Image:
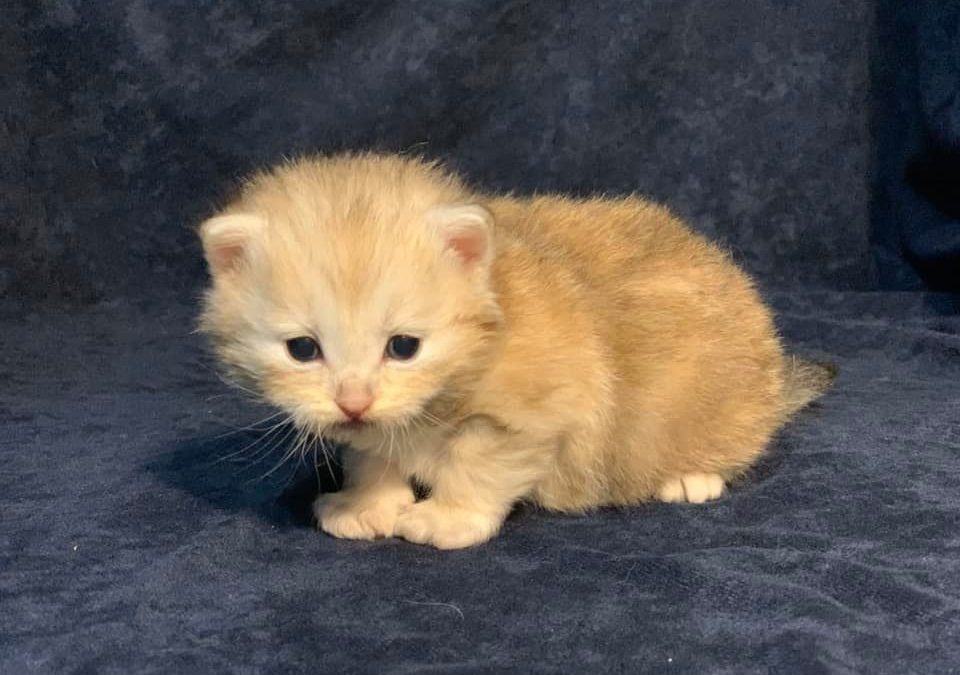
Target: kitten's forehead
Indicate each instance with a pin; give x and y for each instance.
(349, 237)
(362, 278)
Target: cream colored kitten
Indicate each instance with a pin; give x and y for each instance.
(572, 353)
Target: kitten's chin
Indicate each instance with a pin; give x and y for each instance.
(353, 425)
(347, 431)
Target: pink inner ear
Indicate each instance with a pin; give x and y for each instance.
(225, 255)
(470, 245)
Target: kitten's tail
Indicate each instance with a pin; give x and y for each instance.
(806, 381)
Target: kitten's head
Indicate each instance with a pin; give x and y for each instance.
(352, 289)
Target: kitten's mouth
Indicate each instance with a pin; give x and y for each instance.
(353, 425)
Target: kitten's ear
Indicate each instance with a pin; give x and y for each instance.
(467, 231)
(226, 239)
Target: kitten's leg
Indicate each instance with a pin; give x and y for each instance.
(695, 488)
(366, 508)
(474, 484)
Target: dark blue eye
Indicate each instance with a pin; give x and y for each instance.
(402, 347)
(304, 349)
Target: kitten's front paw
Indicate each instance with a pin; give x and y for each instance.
(351, 514)
(695, 488)
(444, 527)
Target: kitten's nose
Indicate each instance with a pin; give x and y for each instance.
(354, 399)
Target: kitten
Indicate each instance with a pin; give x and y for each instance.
(571, 353)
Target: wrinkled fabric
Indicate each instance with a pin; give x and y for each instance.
(139, 534)
(127, 122)
(147, 523)
(916, 125)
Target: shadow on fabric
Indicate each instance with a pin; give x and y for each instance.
(242, 472)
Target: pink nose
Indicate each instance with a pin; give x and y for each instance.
(354, 400)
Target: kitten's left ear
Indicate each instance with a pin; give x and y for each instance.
(467, 231)
(227, 238)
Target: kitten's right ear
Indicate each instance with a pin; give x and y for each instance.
(226, 240)
(466, 230)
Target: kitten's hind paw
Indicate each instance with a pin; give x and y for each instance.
(695, 488)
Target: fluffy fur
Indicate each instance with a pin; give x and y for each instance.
(575, 353)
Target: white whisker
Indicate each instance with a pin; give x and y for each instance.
(328, 459)
(253, 426)
(283, 460)
(249, 448)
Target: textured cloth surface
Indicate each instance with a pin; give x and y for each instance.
(133, 542)
(817, 140)
(916, 204)
(126, 122)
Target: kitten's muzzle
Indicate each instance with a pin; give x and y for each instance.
(354, 400)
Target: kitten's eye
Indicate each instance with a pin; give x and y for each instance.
(303, 349)
(402, 347)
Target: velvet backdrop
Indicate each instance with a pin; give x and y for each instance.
(817, 140)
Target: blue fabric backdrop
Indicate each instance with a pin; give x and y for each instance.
(817, 140)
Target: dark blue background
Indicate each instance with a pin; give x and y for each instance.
(817, 140)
